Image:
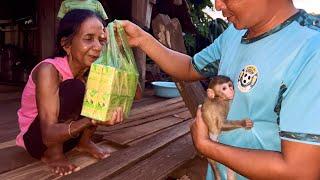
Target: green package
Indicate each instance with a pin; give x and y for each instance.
(112, 79)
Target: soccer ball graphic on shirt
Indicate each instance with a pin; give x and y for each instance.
(248, 78)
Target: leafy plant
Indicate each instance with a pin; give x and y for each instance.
(207, 28)
(201, 22)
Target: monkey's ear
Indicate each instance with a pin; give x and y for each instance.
(210, 93)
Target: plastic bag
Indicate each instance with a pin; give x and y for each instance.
(112, 79)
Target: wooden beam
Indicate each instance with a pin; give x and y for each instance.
(168, 32)
(140, 58)
(141, 12)
(141, 15)
(47, 27)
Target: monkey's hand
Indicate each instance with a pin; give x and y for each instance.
(247, 123)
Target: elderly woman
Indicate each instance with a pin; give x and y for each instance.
(49, 117)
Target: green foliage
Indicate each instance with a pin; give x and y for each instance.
(207, 29)
(200, 20)
(190, 43)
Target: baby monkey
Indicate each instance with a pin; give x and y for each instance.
(214, 112)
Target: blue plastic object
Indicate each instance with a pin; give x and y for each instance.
(165, 89)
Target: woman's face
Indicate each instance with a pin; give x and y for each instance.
(87, 44)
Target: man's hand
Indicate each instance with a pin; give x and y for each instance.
(117, 117)
(199, 132)
(135, 34)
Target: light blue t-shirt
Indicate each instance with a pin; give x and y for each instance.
(277, 83)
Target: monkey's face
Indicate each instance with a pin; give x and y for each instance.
(224, 90)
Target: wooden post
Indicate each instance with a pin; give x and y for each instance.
(141, 15)
(46, 27)
(168, 32)
(141, 12)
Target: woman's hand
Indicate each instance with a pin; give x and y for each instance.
(117, 117)
(199, 132)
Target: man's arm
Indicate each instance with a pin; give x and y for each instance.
(296, 161)
(173, 63)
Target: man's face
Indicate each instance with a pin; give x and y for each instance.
(245, 14)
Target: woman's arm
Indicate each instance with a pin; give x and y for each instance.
(47, 81)
(296, 161)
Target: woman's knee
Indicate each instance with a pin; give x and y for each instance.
(71, 94)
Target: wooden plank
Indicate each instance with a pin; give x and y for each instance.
(153, 114)
(122, 159)
(144, 117)
(132, 143)
(14, 157)
(10, 96)
(7, 144)
(12, 100)
(195, 169)
(124, 136)
(156, 111)
(141, 121)
(8, 112)
(9, 120)
(153, 133)
(146, 101)
(9, 125)
(10, 134)
(155, 106)
(9, 89)
(161, 163)
(38, 170)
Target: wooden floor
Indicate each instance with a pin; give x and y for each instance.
(151, 144)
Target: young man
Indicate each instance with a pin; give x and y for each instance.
(271, 52)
